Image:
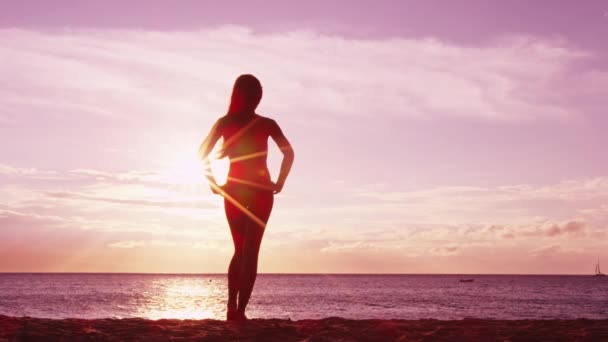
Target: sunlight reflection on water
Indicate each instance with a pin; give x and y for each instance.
(184, 298)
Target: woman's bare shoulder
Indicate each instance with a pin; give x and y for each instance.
(221, 121)
(271, 126)
(266, 119)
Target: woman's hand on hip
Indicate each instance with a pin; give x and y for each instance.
(276, 188)
(217, 189)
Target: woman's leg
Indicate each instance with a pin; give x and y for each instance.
(236, 221)
(261, 207)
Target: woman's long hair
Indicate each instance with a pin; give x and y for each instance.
(246, 96)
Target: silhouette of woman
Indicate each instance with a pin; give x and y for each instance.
(249, 192)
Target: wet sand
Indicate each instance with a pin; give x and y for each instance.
(328, 329)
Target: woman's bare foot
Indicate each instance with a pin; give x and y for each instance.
(231, 314)
(240, 316)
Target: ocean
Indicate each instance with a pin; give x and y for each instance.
(299, 296)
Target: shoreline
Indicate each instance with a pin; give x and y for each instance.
(327, 329)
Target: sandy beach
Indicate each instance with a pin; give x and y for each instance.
(328, 329)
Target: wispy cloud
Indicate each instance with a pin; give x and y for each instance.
(33, 173)
(506, 203)
(132, 202)
(109, 72)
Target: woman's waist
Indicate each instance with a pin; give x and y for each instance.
(256, 175)
(252, 171)
(260, 183)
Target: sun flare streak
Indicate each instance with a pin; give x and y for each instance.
(239, 205)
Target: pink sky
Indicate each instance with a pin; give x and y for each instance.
(429, 139)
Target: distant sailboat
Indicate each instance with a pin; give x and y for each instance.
(470, 280)
(598, 273)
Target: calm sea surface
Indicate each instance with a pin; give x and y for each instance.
(305, 296)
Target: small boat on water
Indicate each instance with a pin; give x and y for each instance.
(598, 272)
(467, 280)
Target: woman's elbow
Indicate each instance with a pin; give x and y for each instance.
(288, 152)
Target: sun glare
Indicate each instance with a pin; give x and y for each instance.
(188, 169)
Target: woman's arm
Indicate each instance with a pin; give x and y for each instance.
(204, 150)
(288, 155)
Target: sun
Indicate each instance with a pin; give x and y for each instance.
(187, 168)
(220, 168)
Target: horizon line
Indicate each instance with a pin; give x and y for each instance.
(308, 273)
